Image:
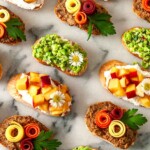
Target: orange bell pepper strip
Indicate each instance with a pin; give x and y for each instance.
(146, 5)
(32, 130)
(2, 31)
(80, 18)
(102, 119)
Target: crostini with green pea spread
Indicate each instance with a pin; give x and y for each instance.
(63, 54)
(83, 148)
(137, 42)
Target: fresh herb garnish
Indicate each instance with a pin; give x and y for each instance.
(44, 141)
(13, 29)
(102, 23)
(133, 120)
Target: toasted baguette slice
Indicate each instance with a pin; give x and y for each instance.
(30, 6)
(142, 101)
(11, 87)
(138, 52)
(141, 12)
(68, 72)
(123, 142)
(6, 39)
(23, 120)
(63, 15)
(83, 148)
(1, 71)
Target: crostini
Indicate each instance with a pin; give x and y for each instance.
(1, 71)
(26, 133)
(136, 41)
(83, 148)
(87, 15)
(41, 92)
(28, 4)
(64, 55)
(114, 124)
(12, 27)
(142, 9)
(128, 82)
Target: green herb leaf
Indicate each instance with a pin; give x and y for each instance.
(133, 120)
(44, 141)
(13, 29)
(102, 23)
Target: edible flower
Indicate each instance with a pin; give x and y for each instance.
(146, 86)
(57, 99)
(12, 129)
(76, 59)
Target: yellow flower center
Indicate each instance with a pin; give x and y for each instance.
(56, 98)
(75, 58)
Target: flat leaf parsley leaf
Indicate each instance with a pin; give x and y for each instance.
(13, 29)
(102, 23)
(45, 141)
(133, 120)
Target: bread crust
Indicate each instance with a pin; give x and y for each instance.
(23, 120)
(124, 44)
(64, 16)
(106, 66)
(141, 12)
(123, 142)
(11, 87)
(6, 39)
(36, 8)
(1, 71)
(66, 72)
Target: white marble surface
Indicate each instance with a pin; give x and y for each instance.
(71, 130)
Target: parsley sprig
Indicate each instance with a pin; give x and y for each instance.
(13, 29)
(133, 120)
(44, 141)
(102, 23)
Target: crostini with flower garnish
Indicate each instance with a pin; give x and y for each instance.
(87, 15)
(41, 92)
(114, 124)
(127, 82)
(142, 9)
(12, 27)
(26, 133)
(65, 55)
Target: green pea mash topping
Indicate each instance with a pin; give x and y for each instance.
(62, 53)
(82, 148)
(137, 41)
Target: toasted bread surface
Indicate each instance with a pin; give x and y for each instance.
(63, 15)
(140, 11)
(123, 142)
(6, 39)
(67, 71)
(1, 71)
(23, 120)
(11, 87)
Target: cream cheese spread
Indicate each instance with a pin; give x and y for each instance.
(146, 74)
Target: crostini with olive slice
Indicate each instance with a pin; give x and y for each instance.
(142, 9)
(12, 27)
(64, 55)
(87, 15)
(136, 41)
(41, 92)
(128, 82)
(28, 4)
(25, 132)
(114, 124)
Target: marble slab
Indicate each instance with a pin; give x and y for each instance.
(71, 130)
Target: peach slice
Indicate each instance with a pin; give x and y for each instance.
(133, 73)
(47, 94)
(114, 72)
(22, 84)
(131, 91)
(45, 80)
(34, 90)
(140, 77)
(123, 72)
(114, 85)
(44, 106)
(120, 92)
(46, 89)
(34, 77)
(38, 100)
